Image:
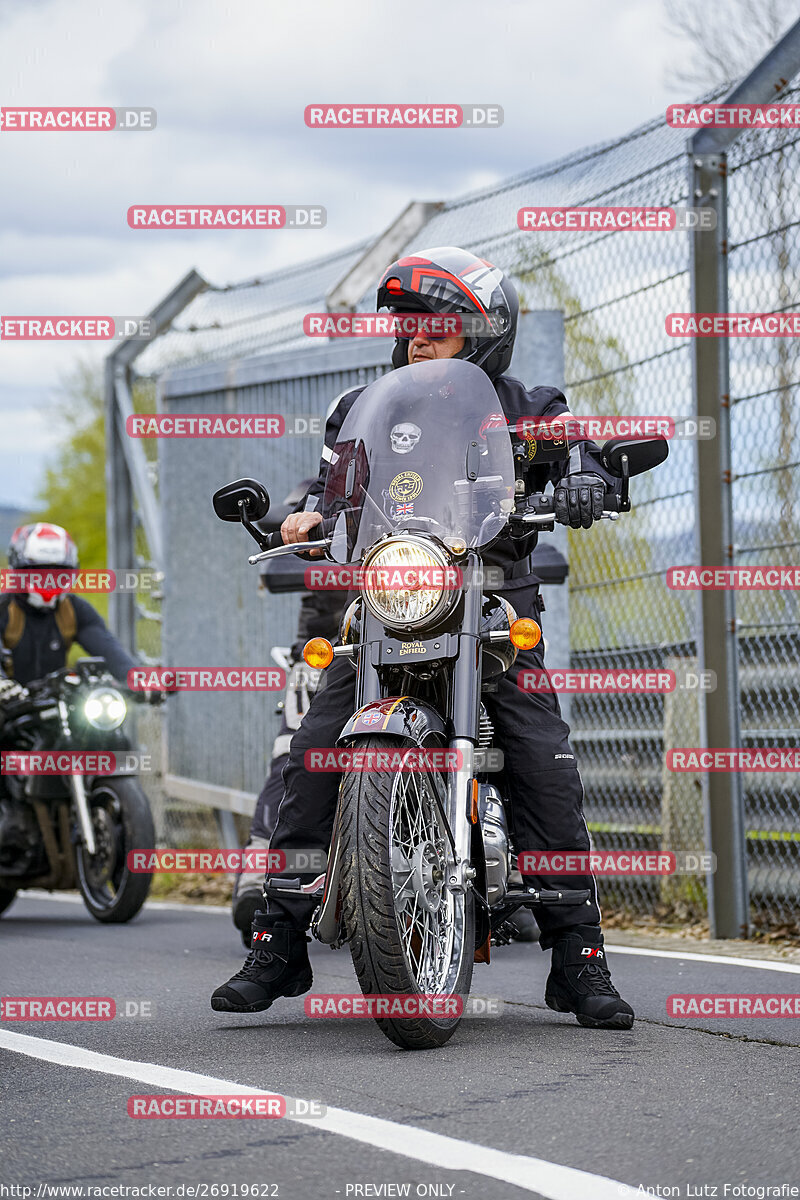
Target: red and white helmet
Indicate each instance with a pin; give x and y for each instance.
(42, 545)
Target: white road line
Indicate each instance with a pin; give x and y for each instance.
(161, 905)
(533, 1174)
(758, 964)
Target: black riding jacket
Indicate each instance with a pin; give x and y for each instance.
(41, 648)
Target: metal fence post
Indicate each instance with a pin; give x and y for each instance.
(728, 902)
(539, 359)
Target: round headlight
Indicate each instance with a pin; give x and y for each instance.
(105, 708)
(409, 582)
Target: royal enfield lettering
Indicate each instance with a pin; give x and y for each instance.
(195, 216)
(206, 1107)
(67, 329)
(197, 425)
(733, 325)
(57, 1008)
(556, 680)
(346, 759)
(210, 679)
(741, 759)
(733, 578)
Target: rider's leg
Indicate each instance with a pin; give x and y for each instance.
(278, 963)
(546, 795)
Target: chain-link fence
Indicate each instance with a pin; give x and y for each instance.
(616, 289)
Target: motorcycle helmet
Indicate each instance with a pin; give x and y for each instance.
(450, 280)
(42, 546)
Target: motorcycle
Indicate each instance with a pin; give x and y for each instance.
(62, 831)
(418, 868)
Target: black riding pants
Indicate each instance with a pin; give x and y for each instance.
(540, 778)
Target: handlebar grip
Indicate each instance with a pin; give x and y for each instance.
(273, 540)
(611, 502)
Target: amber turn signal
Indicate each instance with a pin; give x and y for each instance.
(318, 653)
(524, 633)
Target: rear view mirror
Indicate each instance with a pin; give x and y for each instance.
(641, 455)
(249, 493)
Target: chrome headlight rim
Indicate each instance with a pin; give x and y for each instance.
(448, 597)
(112, 710)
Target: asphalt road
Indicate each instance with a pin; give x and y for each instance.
(518, 1105)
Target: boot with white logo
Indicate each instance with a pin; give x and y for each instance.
(580, 981)
(277, 965)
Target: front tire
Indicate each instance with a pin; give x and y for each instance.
(408, 934)
(7, 898)
(122, 821)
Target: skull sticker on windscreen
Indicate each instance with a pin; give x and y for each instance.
(405, 437)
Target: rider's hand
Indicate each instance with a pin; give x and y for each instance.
(578, 500)
(297, 527)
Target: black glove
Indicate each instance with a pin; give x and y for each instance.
(578, 500)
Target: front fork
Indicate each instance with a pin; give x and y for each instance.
(78, 789)
(464, 715)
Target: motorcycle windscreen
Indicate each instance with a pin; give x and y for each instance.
(424, 449)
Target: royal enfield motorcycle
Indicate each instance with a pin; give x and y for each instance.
(419, 862)
(61, 831)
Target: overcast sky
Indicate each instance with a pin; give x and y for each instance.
(230, 80)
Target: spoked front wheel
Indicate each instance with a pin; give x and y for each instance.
(409, 935)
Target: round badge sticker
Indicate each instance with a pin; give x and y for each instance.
(405, 486)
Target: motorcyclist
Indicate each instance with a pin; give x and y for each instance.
(542, 779)
(38, 625)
